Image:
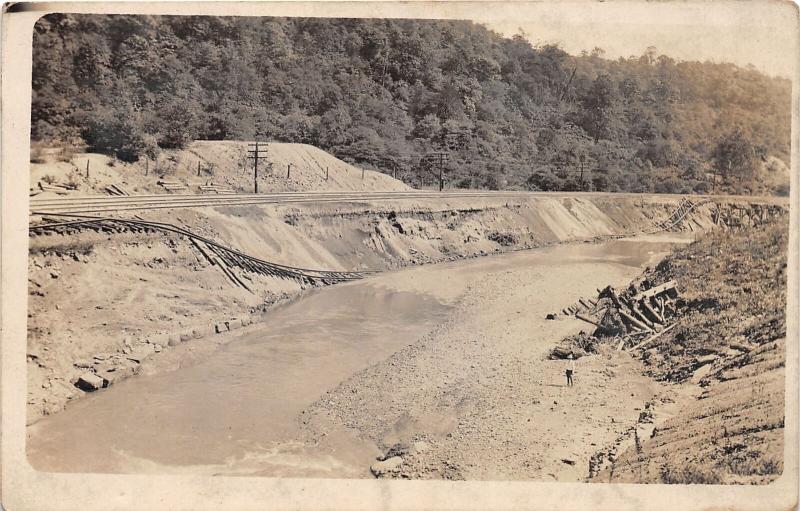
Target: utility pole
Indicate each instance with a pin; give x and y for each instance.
(256, 152)
(439, 159)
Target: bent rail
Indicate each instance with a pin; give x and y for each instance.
(684, 209)
(216, 253)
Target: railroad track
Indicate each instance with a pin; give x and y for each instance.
(163, 201)
(102, 204)
(684, 209)
(217, 254)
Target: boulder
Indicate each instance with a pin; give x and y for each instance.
(220, 327)
(185, 337)
(389, 466)
(174, 340)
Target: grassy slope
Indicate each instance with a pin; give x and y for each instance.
(731, 341)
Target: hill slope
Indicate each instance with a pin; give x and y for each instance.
(221, 163)
(386, 93)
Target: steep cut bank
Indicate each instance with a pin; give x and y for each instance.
(103, 302)
(723, 421)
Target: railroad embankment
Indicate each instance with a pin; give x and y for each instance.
(104, 303)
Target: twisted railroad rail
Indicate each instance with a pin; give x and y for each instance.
(684, 209)
(216, 253)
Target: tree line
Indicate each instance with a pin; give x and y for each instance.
(386, 93)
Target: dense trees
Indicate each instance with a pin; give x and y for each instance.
(384, 93)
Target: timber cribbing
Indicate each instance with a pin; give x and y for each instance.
(216, 253)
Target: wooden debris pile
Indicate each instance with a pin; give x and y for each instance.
(629, 319)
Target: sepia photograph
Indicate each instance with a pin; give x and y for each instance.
(507, 243)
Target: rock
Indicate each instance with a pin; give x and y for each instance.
(568, 461)
(233, 324)
(83, 364)
(185, 337)
(109, 377)
(551, 316)
(89, 382)
(141, 352)
(220, 327)
(389, 466)
(196, 334)
(420, 447)
(174, 340)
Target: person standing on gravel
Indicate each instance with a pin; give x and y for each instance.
(570, 369)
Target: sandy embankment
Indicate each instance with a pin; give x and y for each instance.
(480, 393)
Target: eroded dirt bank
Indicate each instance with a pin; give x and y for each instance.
(727, 356)
(104, 302)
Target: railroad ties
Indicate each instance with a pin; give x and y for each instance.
(216, 254)
(684, 209)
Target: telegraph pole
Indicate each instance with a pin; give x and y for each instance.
(440, 158)
(256, 152)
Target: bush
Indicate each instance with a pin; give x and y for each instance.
(37, 154)
(117, 135)
(689, 475)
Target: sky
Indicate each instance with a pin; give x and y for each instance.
(760, 33)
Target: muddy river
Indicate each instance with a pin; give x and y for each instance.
(237, 412)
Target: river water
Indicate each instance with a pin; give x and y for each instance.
(237, 411)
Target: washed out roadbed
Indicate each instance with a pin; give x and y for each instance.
(478, 397)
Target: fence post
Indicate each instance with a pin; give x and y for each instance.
(198, 168)
(87, 169)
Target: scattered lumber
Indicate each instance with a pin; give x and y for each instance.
(652, 338)
(665, 288)
(642, 310)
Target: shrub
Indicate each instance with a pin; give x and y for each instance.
(689, 475)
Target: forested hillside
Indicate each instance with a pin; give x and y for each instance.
(386, 93)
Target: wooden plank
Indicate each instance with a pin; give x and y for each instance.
(588, 320)
(634, 321)
(652, 337)
(652, 311)
(653, 291)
